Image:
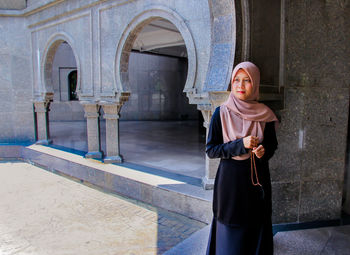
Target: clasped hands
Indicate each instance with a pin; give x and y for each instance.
(251, 142)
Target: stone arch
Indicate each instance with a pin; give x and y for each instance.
(223, 45)
(131, 32)
(47, 60)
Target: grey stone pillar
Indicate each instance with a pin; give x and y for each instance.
(93, 130)
(111, 115)
(211, 165)
(42, 109)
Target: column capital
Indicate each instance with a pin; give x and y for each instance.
(206, 113)
(91, 114)
(217, 98)
(41, 106)
(91, 109)
(111, 116)
(111, 108)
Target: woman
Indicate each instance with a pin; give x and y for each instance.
(242, 134)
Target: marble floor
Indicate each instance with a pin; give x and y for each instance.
(174, 146)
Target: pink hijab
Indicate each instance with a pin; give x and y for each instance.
(243, 118)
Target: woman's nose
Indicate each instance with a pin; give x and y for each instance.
(240, 84)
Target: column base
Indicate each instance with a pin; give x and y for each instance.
(43, 142)
(94, 155)
(113, 159)
(207, 183)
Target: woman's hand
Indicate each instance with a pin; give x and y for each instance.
(250, 142)
(259, 151)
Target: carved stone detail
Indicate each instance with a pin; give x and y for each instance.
(42, 109)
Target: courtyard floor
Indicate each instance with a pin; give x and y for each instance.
(43, 213)
(172, 146)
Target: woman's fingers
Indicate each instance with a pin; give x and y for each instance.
(259, 151)
(250, 142)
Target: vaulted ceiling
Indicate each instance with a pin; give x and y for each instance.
(161, 37)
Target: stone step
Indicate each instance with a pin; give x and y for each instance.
(174, 193)
(196, 244)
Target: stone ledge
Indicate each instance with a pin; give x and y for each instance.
(170, 194)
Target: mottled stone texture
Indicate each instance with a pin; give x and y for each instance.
(308, 169)
(285, 201)
(16, 111)
(223, 43)
(12, 4)
(317, 36)
(265, 39)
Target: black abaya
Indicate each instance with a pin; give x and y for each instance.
(242, 211)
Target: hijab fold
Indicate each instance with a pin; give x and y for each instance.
(244, 118)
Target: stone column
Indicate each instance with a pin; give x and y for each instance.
(93, 129)
(42, 109)
(211, 165)
(111, 115)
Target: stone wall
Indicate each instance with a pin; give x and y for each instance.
(308, 170)
(265, 39)
(16, 112)
(13, 4)
(156, 86)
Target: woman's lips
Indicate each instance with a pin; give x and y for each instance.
(241, 92)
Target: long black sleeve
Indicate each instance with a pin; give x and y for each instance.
(270, 140)
(215, 147)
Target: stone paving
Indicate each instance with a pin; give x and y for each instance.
(43, 213)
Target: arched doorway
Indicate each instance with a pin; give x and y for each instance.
(159, 128)
(66, 116)
(72, 85)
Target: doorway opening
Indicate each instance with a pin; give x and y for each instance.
(67, 122)
(159, 128)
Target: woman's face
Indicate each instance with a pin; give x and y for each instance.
(242, 86)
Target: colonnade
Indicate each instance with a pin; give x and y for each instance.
(111, 115)
(92, 115)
